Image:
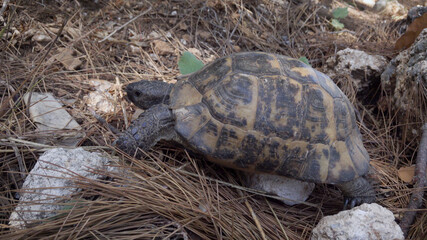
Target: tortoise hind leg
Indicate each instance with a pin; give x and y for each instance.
(155, 124)
(357, 192)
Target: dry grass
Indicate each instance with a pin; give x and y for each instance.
(171, 194)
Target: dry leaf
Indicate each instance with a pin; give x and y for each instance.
(74, 32)
(406, 174)
(65, 56)
(204, 34)
(236, 48)
(186, 37)
(183, 26)
(196, 52)
(162, 48)
(414, 29)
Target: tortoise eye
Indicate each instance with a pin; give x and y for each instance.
(137, 93)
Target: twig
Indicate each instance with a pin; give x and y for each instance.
(5, 2)
(103, 121)
(277, 219)
(246, 189)
(420, 182)
(33, 80)
(41, 147)
(3, 107)
(254, 216)
(124, 25)
(20, 159)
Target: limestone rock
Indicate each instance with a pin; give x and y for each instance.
(50, 182)
(101, 99)
(415, 13)
(365, 222)
(50, 117)
(393, 9)
(292, 190)
(406, 73)
(360, 66)
(404, 85)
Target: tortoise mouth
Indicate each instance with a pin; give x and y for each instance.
(127, 96)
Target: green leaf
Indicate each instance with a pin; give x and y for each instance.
(304, 60)
(188, 63)
(337, 24)
(340, 13)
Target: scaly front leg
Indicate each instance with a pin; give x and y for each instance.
(155, 124)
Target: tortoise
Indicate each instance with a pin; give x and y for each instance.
(258, 112)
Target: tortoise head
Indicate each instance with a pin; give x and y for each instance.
(145, 94)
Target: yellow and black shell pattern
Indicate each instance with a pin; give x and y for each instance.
(262, 112)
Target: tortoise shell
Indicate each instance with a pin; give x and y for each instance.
(269, 113)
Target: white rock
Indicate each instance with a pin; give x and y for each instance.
(40, 37)
(50, 182)
(394, 9)
(101, 100)
(367, 3)
(292, 190)
(365, 222)
(361, 66)
(50, 117)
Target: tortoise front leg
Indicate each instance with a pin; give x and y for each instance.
(357, 192)
(155, 124)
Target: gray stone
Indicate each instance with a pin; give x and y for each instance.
(54, 123)
(390, 9)
(360, 66)
(365, 222)
(406, 71)
(404, 85)
(51, 182)
(415, 13)
(291, 190)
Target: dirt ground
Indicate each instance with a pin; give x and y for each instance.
(184, 197)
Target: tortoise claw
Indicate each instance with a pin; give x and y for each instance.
(345, 203)
(351, 202)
